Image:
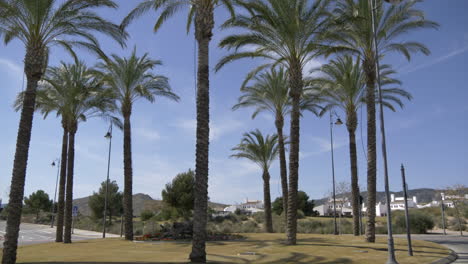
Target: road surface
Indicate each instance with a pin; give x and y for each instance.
(34, 234)
(452, 241)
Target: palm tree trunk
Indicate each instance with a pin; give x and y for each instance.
(204, 22)
(61, 196)
(69, 188)
(128, 178)
(295, 93)
(369, 68)
(33, 68)
(351, 123)
(282, 157)
(267, 202)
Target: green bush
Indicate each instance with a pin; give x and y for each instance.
(420, 223)
(453, 224)
(146, 215)
(300, 214)
(259, 217)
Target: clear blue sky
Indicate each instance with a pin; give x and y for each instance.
(429, 135)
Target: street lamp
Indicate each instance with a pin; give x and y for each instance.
(442, 196)
(337, 122)
(52, 211)
(391, 246)
(109, 137)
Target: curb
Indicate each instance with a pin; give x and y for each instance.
(449, 259)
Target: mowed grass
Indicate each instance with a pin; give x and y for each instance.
(268, 248)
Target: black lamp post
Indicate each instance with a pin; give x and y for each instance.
(52, 211)
(391, 246)
(337, 122)
(109, 137)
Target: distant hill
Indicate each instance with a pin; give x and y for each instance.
(141, 202)
(424, 195)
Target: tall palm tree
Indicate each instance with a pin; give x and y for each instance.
(39, 25)
(343, 86)
(354, 33)
(201, 12)
(73, 92)
(287, 33)
(270, 92)
(262, 150)
(47, 102)
(130, 79)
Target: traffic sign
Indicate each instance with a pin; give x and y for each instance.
(75, 211)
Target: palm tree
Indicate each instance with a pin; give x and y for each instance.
(343, 86)
(262, 151)
(130, 79)
(39, 25)
(353, 32)
(201, 12)
(47, 102)
(269, 92)
(287, 33)
(73, 92)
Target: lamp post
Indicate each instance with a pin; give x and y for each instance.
(109, 137)
(442, 195)
(337, 122)
(407, 219)
(52, 211)
(391, 247)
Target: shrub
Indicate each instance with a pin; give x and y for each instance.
(259, 217)
(300, 214)
(146, 215)
(250, 227)
(420, 223)
(453, 224)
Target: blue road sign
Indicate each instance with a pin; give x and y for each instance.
(75, 211)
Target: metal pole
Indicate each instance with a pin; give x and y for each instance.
(443, 214)
(121, 225)
(407, 219)
(391, 247)
(55, 195)
(335, 231)
(107, 184)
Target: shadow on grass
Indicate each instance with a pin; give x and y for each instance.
(299, 258)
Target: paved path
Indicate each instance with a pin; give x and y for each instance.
(35, 234)
(454, 242)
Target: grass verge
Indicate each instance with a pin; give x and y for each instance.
(265, 248)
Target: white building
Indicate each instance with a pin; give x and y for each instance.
(249, 206)
(343, 207)
(398, 203)
(380, 209)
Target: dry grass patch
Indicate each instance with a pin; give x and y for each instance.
(267, 248)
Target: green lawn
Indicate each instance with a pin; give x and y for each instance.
(268, 248)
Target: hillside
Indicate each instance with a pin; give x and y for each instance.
(424, 195)
(141, 202)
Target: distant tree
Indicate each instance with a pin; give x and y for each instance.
(277, 206)
(179, 193)
(38, 201)
(114, 203)
(303, 204)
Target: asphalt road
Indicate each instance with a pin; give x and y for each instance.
(454, 242)
(34, 234)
